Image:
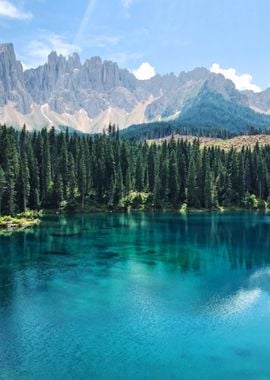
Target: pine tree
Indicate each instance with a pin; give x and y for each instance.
(139, 174)
(24, 183)
(164, 178)
(173, 181)
(63, 163)
(124, 162)
(2, 187)
(151, 167)
(208, 190)
(57, 191)
(192, 198)
(10, 194)
(45, 171)
(118, 186)
(82, 179)
(34, 196)
(11, 167)
(71, 178)
(158, 201)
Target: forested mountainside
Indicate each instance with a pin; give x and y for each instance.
(209, 114)
(79, 172)
(88, 96)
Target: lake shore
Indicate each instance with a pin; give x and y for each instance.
(31, 219)
(20, 221)
(100, 210)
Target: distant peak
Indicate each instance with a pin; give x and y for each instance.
(74, 56)
(6, 47)
(52, 56)
(93, 61)
(199, 73)
(200, 70)
(74, 59)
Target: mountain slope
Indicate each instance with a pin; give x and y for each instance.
(210, 109)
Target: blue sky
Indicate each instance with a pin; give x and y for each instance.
(168, 35)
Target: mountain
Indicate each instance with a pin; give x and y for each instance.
(88, 96)
(211, 110)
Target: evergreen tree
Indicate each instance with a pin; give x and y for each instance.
(2, 187)
(192, 198)
(208, 190)
(157, 192)
(24, 183)
(118, 186)
(46, 166)
(173, 181)
(82, 179)
(71, 178)
(63, 163)
(57, 191)
(139, 174)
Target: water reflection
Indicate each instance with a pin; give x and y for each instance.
(211, 244)
(181, 241)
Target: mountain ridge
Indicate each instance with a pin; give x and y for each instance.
(88, 96)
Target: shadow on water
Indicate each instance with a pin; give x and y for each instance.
(56, 252)
(67, 235)
(194, 243)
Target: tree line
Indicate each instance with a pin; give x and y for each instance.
(161, 129)
(52, 170)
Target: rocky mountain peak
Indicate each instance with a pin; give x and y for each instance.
(74, 61)
(197, 74)
(225, 87)
(12, 86)
(7, 48)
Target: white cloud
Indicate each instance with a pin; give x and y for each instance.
(7, 9)
(242, 82)
(127, 3)
(144, 71)
(39, 49)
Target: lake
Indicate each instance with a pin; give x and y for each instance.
(137, 296)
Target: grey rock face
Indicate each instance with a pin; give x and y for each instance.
(67, 86)
(12, 87)
(260, 101)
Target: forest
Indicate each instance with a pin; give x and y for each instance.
(49, 170)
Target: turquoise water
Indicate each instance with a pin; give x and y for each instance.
(137, 296)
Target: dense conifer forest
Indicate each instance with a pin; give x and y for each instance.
(79, 172)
